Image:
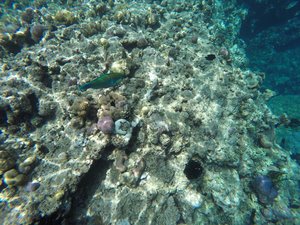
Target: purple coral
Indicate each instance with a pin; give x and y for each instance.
(32, 186)
(264, 189)
(106, 125)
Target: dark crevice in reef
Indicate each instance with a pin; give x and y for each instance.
(45, 77)
(132, 146)
(87, 188)
(193, 169)
(3, 117)
(34, 101)
(54, 218)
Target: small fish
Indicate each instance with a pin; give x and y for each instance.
(105, 80)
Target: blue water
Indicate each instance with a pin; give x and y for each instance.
(271, 32)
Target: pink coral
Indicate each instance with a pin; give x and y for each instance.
(106, 125)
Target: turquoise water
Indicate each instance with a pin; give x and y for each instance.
(203, 127)
(272, 35)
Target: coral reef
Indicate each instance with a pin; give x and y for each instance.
(178, 141)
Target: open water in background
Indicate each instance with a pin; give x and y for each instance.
(271, 32)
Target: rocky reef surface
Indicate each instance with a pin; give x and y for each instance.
(184, 138)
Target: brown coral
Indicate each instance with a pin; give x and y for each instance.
(80, 107)
(65, 17)
(114, 105)
(6, 161)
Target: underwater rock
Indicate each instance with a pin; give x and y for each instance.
(104, 42)
(119, 162)
(139, 169)
(65, 17)
(28, 15)
(116, 31)
(277, 213)
(6, 161)
(93, 129)
(225, 54)
(131, 169)
(37, 32)
(164, 140)
(106, 125)
(123, 222)
(14, 178)
(194, 39)
(265, 142)
(63, 157)
(152, 19)
(47, 108)
(92, 28)
(120, 67)
(228, 197)
(264, 188)
(21, 107)
(134, 41)
(26, 165)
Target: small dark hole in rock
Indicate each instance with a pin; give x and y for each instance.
(210, 57)
(193, 170)
(3, 117)
(34, 101)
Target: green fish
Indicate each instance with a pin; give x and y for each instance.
(105, 80)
